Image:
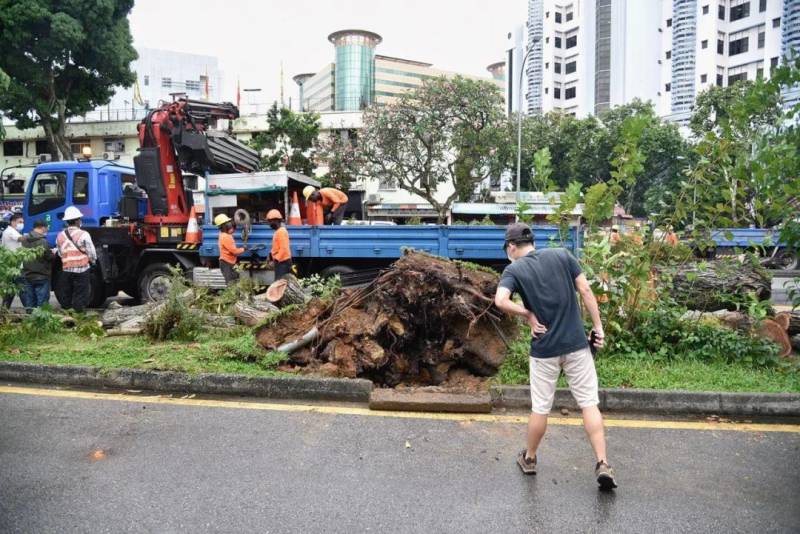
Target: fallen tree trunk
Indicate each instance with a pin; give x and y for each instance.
(720, 284)
(115, 316)
(123, 332)
(285, 292)
(794, 322)
(252, 313)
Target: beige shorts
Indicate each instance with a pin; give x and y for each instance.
(581, 376)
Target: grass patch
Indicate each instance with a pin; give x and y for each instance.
(216, 351)
(640, 371)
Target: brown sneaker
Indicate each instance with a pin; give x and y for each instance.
(527, 465)
(605, 476)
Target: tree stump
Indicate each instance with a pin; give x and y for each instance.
(252, 313)
(113, 317)
(286, 291)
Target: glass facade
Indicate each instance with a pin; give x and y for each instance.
(684, 37)
(355, 69)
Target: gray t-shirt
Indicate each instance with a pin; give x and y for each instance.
(545, 279)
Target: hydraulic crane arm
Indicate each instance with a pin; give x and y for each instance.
(177, 137)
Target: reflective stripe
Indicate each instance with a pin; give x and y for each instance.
(71, 256)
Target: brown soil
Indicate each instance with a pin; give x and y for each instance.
(424, 321)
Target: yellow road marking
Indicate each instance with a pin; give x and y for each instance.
(347, 410)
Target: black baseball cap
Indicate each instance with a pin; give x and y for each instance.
(518, 232)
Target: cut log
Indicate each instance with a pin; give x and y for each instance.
(292, 346)
(112, 317)
(123, 332)
(286, 291)
(252, 313)
(721, 284)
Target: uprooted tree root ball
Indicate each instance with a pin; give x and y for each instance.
(420, 320)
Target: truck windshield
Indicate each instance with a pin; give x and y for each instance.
(48, 192)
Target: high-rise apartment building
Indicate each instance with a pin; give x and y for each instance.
(589, 55)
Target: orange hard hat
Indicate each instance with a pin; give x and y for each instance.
(274, 214)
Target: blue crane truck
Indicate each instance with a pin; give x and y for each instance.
(111, 215)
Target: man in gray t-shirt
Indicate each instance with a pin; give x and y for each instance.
(547, 282)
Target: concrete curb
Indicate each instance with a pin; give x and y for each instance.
(663, 402)
(303, 388)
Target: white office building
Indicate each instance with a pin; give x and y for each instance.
(589, 55)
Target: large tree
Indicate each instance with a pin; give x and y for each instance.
(449, 131)
(4, 81)
(64, 59)
(289, 142)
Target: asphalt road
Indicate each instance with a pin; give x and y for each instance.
(206, 467)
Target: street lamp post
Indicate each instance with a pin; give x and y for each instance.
(519, 116)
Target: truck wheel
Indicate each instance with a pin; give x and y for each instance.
(333, 270)
(154, 282)
(787, 260)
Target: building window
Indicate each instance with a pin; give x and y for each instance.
(721, 13)
(547, 66)
(668, 54)
(546, 90)
(146, 80)
(762, 6)
(546, 40)
(12, 148)
(719, 80)
(76, 147)
(739, 46)
(703, 78)
(166, 82)
(704, 44)
(558, 42)
(773, 62)
(720, 46)
(736, 77)
(705, 9)
(558, 17)
(572, 41)
(739, 12)
(761, 37)
(776, 22)
(557, 93)
(113, 144)
(760, 73)
(41, 147)
(571, 67)
(569, 93)
(569, 16)
(667, 87)
(557, 68)
(80, 188)
(192, 85)
(669, 23)
(546, 15)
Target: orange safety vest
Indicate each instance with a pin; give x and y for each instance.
(71, 256)
(280, 245)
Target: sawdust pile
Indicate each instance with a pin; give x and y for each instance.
(422, 321)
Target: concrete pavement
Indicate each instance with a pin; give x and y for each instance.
(84, 462)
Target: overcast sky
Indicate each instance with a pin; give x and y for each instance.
(252, 37)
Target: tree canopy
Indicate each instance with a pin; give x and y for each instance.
(450, 130)
(63, 59)
(290, 141)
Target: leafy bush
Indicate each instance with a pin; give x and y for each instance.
(42, 321)
(174, 319)
(322, 287)
(11, 267)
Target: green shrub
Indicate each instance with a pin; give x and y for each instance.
(175, 320)
(321, 287)
(42, 321)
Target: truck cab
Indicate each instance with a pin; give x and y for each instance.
(95, 187)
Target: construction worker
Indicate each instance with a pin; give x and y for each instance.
(334, 202)
(77, 252)
(615, 237)
(281, 253)
(228, 251)
(671, 237)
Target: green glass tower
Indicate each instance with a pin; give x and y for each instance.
(355, 68)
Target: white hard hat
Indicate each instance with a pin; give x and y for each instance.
(72, 213)
(308, 191)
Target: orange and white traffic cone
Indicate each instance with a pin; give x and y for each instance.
(192, 229)
(294, 212)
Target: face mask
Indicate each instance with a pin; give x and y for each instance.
(19, 227)
(274, 225)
